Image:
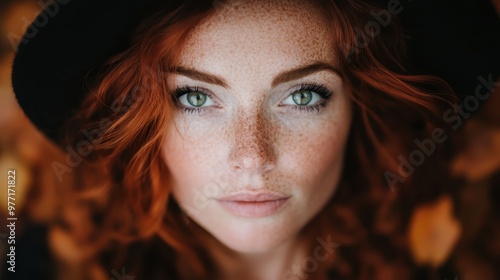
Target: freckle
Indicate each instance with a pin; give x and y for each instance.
(254, 137)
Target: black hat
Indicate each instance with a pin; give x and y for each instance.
(456, 40)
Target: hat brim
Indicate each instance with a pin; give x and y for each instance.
(67, 40)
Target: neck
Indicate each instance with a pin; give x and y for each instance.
(270, 265)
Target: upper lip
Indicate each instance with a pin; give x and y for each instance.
(254, 197)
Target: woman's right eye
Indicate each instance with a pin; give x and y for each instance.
(193, 97)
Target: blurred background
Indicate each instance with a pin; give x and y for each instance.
(461, 228)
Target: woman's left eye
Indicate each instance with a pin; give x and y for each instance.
(308, 97)
(302, 98)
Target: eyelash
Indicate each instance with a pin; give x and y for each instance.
(319, 89)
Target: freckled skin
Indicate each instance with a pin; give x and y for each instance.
(249, 142)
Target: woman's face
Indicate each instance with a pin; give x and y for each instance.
(263, 116)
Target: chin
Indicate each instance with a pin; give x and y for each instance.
(253, 236)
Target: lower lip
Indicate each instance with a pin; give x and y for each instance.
(254, 209)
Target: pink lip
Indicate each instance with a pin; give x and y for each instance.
(250, 205)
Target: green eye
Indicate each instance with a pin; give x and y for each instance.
(302, 97)
(196, 99)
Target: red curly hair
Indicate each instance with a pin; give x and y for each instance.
(129, 109)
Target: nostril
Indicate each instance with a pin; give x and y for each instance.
(268, 167)
(253, 168)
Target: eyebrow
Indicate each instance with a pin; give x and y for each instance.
(283, 77)
(200, 76)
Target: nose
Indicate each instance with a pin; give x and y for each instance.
(252, 149)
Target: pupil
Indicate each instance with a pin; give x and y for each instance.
(196, 99)
(302, 98)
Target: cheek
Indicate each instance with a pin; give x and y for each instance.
(315, 158)
(314, 151)
(191, 157)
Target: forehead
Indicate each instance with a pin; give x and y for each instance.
(261, 36)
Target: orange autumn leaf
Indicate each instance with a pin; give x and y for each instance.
(433, 231)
